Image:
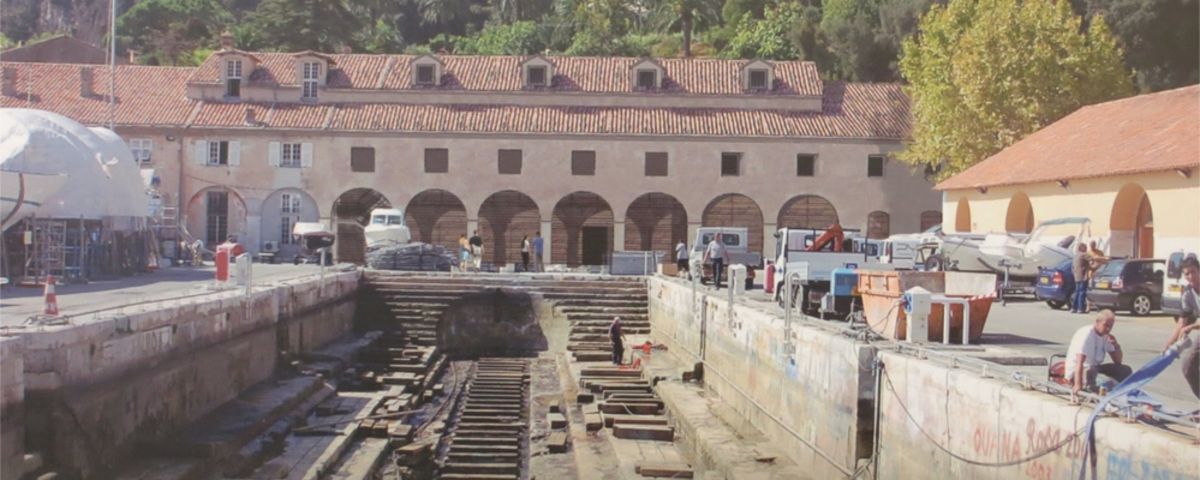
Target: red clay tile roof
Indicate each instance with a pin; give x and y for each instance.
(1146, 133)
(503, 73)
(145, 95)
(155, 96)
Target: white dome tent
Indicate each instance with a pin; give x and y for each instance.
(73, 195)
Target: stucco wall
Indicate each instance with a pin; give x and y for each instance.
(768, 173)
(1174, 199)
(12, 407)
(819, 393)
(988, 421)
(99, 388)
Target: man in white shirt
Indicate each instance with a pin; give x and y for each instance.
(715, 253)
(681, 256)
(1088, 348)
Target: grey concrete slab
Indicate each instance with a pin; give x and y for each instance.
(19, 303)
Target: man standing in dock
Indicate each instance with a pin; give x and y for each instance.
(476, 250)
(1089, 346)
(715, 252)
(537, 253)
(618, 341)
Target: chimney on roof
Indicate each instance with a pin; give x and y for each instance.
(346, 49)
(226, 40)
(251, 120)
(133, 56)
(85, 82)
(9, 82)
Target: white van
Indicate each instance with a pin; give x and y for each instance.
(1173, 283)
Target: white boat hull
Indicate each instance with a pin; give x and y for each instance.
(24, 194)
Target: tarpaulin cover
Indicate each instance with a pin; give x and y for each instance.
(101, 177)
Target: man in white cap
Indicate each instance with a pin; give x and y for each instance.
(618, 341)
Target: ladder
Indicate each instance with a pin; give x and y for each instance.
(45, 249)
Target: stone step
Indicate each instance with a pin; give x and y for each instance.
(612, 418)
(477, 476)
(629, 408)
(606, 323)
(493, 439)
(663, 469)
(644, 432)
(466, 447)
(484, 433)
(504, 426)
(592, 356)
(456, 456)
(575, 346)
(496, 468)
(610, 372)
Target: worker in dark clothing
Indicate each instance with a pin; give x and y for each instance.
(1185, 323)
(618, 341)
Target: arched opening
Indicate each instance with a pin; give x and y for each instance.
(581, 230)
(879, 225)
(503, 219)
(736, 210)
(1131, 223)
(962, 216)
(930, 219)
(281, 210)
(655, 222)
(436, 217)
(1019, 218)
(351, 212)
(807, 211)
(214, 213)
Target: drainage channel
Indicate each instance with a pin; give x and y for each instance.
(487, 435)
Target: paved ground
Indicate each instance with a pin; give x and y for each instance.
(19, 303)
(1034, 327)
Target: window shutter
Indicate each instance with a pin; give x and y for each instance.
(306, 155)
(200, 155)
(235, 153)
(273, 154)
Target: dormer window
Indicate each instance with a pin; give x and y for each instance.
(311, 79)
(233, 78)
(647, 79)
(758, 76)
(535, 76)
(758, 79)
(425, 74)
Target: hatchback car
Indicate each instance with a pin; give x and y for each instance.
(1124, 284)
(1056, 285)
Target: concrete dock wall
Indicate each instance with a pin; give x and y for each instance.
(12, 407)
(817, 396)
(106, 387)
(987, 421)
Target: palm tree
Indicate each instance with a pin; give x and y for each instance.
(686, 16)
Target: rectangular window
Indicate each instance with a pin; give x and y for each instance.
(510, 162)
(875, 165)
(290, 155)
(216, 228)
(656, 164)
(583, 162)
(362, 159)
(731, 164)
(437, 160)
(425, 74)
(218, 153)
(758, 79)
(290, 214)
(647, 79)
(312, 75)
(141, 148)
(806, 165)
(233, 78)
(537, 76)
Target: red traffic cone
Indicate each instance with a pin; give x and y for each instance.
(51, 298)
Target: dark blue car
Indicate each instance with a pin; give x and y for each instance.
(1056, 285)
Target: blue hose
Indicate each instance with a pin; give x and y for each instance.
(1129, 386)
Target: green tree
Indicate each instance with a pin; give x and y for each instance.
(295, 25)
(167, 32)
(685, 16)
(767, 38)
(983, 74)
(1161, 38)
(520, 38)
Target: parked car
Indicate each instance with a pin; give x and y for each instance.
(1125, 284)
(1055, 285)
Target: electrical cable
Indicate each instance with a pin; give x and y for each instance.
(888, 380)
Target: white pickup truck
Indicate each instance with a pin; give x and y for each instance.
(813, 269)
(737, 250)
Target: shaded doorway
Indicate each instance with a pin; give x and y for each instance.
(595, 245)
